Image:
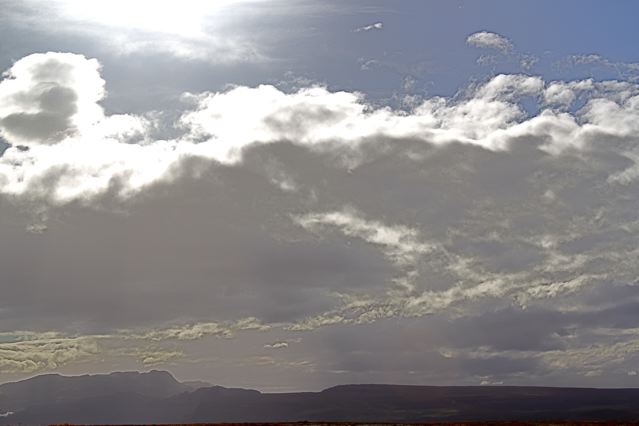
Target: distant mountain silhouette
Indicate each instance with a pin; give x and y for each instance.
(54, 388)
(156, 397)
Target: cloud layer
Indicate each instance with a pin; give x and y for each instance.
(283, 220)
(49, 104)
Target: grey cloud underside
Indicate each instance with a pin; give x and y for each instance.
(477, 250)
(195, 250)
(52, 123)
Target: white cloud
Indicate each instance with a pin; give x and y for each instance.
(375, 26)
(565, 93)
(578, 355)
(198, 330)
(276, 345)
(77, 153)
(45, 98)
(489, 40)
(400, 243)
(556, 275)
(29, 351)
(500, 49)
(45, 353)
(206, 48)
(625, 70)
(150, 357)
(527, 61)
(367, 64)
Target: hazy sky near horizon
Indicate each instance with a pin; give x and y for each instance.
(289, 195)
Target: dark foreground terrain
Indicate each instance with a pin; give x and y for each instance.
(404, 424)
(157, 398)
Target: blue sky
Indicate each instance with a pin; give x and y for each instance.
(422, 39)
(289, 195)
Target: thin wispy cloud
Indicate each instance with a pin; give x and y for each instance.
(371, 27)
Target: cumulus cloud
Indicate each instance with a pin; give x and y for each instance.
(489, 40)
(500, 49)
(45, 98)
(84, 154)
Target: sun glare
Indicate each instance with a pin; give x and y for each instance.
(179, 17)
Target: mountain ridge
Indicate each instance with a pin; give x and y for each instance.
(157, 397)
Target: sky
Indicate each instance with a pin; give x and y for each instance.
(289, 195)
